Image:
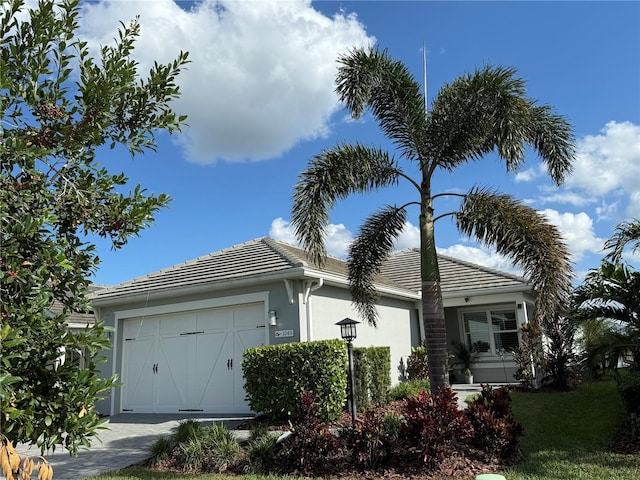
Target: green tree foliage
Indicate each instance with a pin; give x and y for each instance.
(59, 105)
(610, 295)
(477, 114)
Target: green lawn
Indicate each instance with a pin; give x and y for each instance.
(566, 436)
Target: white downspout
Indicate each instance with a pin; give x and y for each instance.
(310, 287)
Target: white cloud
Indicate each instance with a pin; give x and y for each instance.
(283, 231)
(409, 238)
(609, 161)
(607, 211)
(530, 174)
(337, 241)
(565, 196)
(339, 237)
(577, 232)
(261, 76)
(480, 256)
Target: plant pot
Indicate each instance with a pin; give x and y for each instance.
(469, 379)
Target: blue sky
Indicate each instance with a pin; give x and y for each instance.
(260, 100)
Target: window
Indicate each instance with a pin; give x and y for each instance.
(491, 330)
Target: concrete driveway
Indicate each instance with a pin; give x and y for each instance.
(125, 442)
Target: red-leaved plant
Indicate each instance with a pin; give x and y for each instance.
(434, 424)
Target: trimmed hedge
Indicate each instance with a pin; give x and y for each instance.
(276, 375)
(372, 367)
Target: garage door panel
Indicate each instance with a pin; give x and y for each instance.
(172, 373)
(213, 380)
(177, 324)
(249, 316)
(214, 320)
(140, 328)
(138, 377)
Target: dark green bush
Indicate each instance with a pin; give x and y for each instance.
(629, 391)
(408, 389)
(276, 375)
(372, 371)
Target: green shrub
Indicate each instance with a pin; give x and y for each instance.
(215, 434)
(408, 389)
(372, 371)
(392, 423)
(224, 452)
(417, 364)
(629, 391)
(276, 375)
(191, 454)
(185, 430)
(261, 451)
(160, 450)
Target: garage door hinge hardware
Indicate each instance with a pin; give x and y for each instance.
(261, 326)
(128, 339)
(155, 368)
(229, 363)
(191, 333)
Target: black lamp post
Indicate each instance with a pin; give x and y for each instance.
(348, 333)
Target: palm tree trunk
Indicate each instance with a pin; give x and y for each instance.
(432, 306)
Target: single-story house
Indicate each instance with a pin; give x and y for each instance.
(180, 333)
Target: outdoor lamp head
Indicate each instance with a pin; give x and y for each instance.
(348, 329)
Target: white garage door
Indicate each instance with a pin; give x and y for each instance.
(190, 361)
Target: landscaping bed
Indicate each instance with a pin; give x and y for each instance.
(424, 437)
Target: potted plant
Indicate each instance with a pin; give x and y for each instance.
(465, 356)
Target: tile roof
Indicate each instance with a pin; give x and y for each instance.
(456, 275)
(268, 257)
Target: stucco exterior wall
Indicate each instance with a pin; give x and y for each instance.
(396, 325)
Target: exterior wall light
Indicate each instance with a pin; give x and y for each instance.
(273, 318)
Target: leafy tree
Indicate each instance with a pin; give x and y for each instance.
(475, 115)
(59, 105)
(611, 293)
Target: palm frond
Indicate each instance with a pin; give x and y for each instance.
(525, 236)
(626, 233)
(332, 175)
(551, 135)
(371, 247)
(488, 110)
(370, 78)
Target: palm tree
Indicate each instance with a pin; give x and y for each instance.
(626, 232)
(471, 117)
(611, 293)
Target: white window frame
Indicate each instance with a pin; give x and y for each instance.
(487, 309)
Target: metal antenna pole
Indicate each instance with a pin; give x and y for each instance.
(424, 70)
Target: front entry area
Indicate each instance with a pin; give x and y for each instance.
(189, 361)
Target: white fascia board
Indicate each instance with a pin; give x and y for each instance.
(487, 291)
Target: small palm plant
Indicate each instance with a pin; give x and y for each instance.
(465, 356)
